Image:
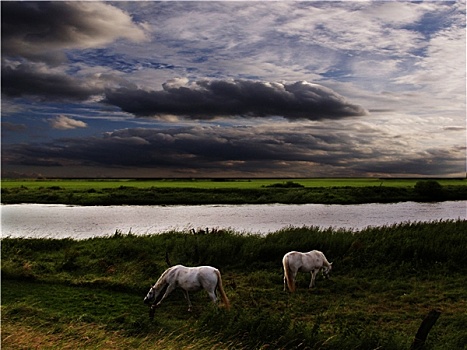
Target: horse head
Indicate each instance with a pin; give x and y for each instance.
(150, 296)
(327, 270)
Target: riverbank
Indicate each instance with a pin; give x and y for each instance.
(200, 192)
(88, 293)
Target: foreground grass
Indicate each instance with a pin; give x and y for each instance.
(59, 294)
(220, 191)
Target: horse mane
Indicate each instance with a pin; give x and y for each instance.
(162, 280)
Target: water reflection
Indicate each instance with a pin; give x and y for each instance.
(60, 221)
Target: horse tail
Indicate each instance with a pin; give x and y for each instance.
(224, 298)
(288, 274)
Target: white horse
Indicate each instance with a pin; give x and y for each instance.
(312, 262)
(189, 279)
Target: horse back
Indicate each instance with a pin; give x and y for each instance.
(295, 261)
(304, 262)
(196, 278)
(322, 257)
(316, 258)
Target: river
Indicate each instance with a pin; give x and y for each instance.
(81, 222)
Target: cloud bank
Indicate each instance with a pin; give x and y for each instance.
(267, 151)
(211, 99)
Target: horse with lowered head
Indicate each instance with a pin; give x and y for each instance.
(312, 262)
(189, 279)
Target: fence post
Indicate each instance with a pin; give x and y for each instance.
(424, 329)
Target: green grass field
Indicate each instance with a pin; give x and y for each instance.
(88, 294)
(82, 184)
(215, 191)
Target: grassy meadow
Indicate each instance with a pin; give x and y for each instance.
(88, 294)
(229, 191)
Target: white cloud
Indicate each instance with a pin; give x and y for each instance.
(442, 70)
(62, 122)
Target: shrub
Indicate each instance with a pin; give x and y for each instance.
(288, 184)
(429, 189)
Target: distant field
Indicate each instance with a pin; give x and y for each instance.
(81, 184)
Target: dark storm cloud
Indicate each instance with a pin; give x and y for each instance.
(178, 148)
(30, 80)
(39, 31)
(205, 151)
(211, 99)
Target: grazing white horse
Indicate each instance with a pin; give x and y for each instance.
(312, 262)
(189, 279)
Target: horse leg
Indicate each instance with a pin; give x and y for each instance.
(212, 295)
(313, 277)
(187, 296)
(286, 277)
(294, 278)
(169, 290)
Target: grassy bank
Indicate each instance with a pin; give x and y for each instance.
(88, 294)
(221, 191)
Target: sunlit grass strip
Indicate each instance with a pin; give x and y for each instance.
(97, 184)
(81, 335)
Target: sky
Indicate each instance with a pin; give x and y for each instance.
(233, 89)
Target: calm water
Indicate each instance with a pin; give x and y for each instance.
(60, 221)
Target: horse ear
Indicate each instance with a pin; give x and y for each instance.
(330, 264)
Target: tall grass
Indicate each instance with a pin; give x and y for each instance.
(140, 258)
(417, 244)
